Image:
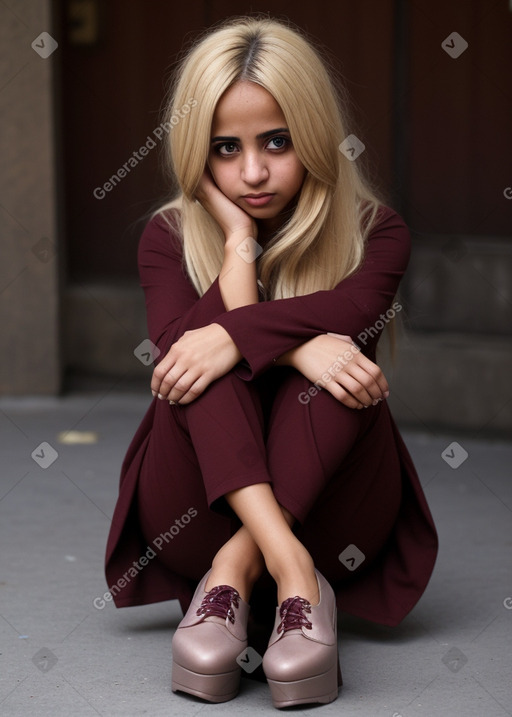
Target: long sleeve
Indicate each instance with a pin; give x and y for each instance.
(173, 305)
(264, 331)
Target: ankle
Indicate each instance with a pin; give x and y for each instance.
(240, 577)
(304, 585)
(292, 560)
(295, 575)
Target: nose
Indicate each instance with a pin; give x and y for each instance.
(254, 167)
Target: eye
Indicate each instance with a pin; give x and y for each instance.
(226, 149)
(278, 142)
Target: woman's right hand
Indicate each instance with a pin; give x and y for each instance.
(334, 363)
(233, 221)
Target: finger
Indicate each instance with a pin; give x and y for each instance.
(173, 379)
(344, 396)
(195, 390)
(173, 389)
(370, 375)
(354, 386)
(369, 388)
(377, 383)
(160, 372)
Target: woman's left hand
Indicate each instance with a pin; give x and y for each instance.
(199, 357)
(334, 363)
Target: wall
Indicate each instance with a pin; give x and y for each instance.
(436, 129)
(30, 240)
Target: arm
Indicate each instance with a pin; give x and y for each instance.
(204, 354)
(332, 362)
(174, 308)
(172, 303)
(237, 278)
(355, 307)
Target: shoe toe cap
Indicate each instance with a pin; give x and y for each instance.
(294, 658)
(206, 648)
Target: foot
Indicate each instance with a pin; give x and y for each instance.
(207, 643)
(239, 563)
(297, 578)
(301, 662)
(232, 577)
(238, 570)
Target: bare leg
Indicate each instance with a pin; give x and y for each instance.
(239, 562)
(267, 526)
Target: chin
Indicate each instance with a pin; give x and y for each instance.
(263, 212)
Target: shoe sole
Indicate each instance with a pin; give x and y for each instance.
(213, 688)
(319, 688)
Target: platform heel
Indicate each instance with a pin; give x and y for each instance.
(302, 662)
(212, 634)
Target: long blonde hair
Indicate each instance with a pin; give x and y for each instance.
(323, 241)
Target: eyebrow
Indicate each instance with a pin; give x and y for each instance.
(263, 135)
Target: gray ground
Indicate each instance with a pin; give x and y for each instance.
(59, 655)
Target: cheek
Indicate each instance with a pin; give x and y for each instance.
(301, 175)
(295, 173)
(222, 174)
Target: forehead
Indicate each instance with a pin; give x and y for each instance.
(246, 108)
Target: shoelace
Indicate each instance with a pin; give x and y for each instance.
(219, 601)
(292, 614)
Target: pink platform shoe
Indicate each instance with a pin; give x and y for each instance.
(301, 662)
(212, 634)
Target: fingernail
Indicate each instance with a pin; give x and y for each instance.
(386, 394)
(375, 401)
(154, 393)
(161, 397)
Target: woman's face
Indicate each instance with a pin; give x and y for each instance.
(251, 157)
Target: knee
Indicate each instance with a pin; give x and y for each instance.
(300, 393)
(229, 384)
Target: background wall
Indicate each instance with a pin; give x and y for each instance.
(30, 351)
(433, 112)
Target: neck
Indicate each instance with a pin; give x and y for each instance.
(268, 228)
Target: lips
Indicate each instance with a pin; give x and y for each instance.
(258, 200)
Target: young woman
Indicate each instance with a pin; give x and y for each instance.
(268, 455)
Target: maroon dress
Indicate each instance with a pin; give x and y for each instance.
(344, 474)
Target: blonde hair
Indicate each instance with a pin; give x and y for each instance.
(323, 241)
